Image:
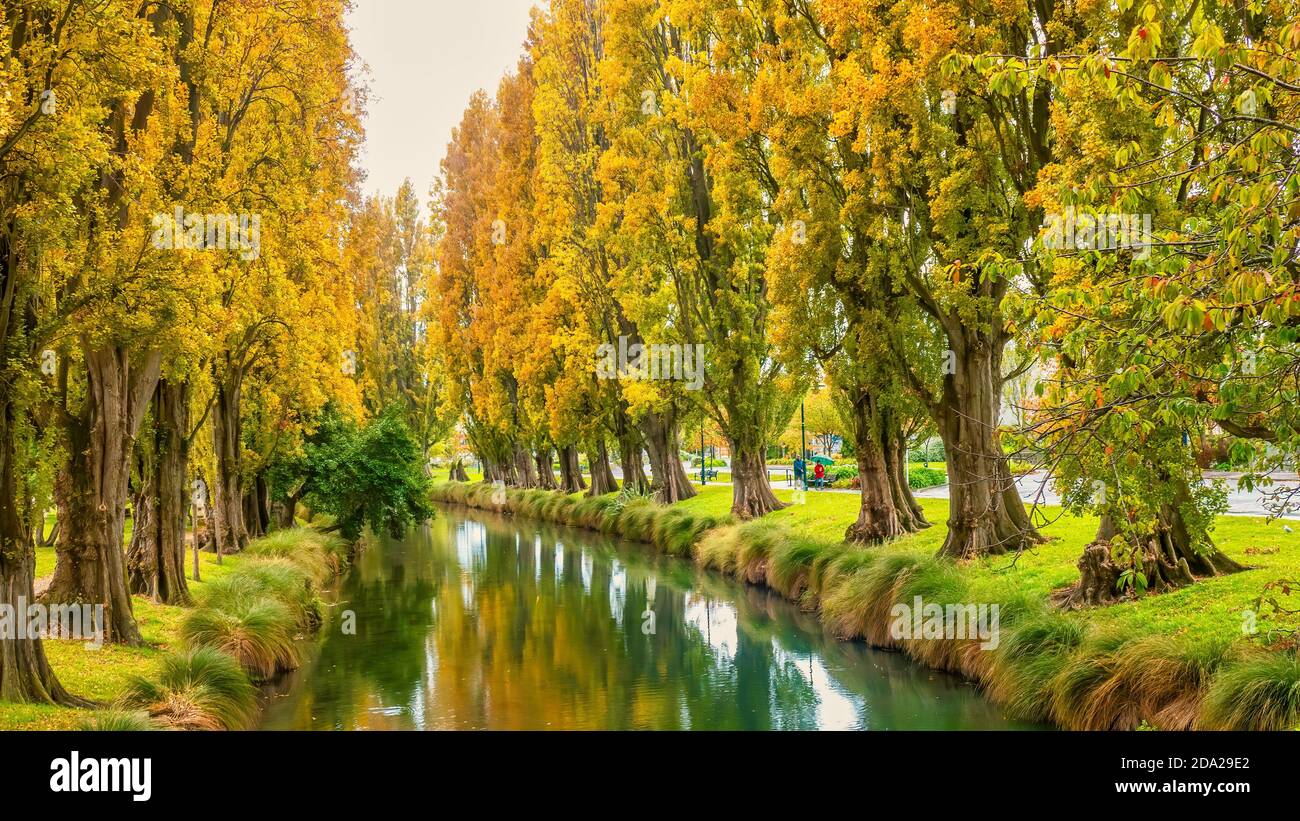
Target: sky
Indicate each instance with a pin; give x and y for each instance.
(425, 59)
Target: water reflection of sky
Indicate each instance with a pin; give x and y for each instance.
(715, 621)
(837, 709)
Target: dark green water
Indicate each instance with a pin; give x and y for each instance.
(481, 622)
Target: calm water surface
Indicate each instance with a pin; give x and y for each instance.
(483, 622)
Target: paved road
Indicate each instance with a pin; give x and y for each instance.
(1034, 488)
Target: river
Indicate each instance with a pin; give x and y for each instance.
(482, 622)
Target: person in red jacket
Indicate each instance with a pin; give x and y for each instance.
(819, 473)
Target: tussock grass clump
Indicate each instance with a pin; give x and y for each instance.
(118, 721)
(637, 519)
(591, 512)
(1260, 692)
(1029, 659)
(856, 604)
(792, 566)
(758, 539)
(720, 549)
(320, 555)
(202, 689)
(1167, 677)
(279, 579)
(258, 632)
(1089, 692)
(1116, 682)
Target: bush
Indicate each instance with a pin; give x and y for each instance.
(838, 473)
(919, 478)
(203, 689)
(931, 451)
(710, 462)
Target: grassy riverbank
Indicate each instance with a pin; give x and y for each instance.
(249, 608)
(102, 675)
(1174, 661)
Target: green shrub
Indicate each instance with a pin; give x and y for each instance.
(920, 478)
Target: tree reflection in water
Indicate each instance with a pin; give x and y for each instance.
(481, 622)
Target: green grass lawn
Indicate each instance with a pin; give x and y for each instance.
(1211, 608)
(102, 674)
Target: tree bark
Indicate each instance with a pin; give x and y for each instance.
(629, 456)
(545, 468)
(227, 513)
(1168, 562)
(571, 480)
(525, 468)
(985, 513)
(457, 472)
(25, 674)
(92, 488)
(668, 478)
(908, 507)
(751, 490)
(257, 515)
(879, 518)
(602, 477)
(155, 559)
(284, 509)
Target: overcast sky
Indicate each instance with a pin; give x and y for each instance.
(426, 57)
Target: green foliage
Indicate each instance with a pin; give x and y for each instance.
(923, 477)
(363, 476)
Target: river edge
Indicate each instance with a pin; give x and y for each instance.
(1051, 667)
(755, 577)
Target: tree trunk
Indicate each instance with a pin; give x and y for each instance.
(904, 501)
(1168, 562)
(879, 519)
(228, 528)
(985, 514)
(257, 517)
(602, 477)
(571, 480)
(457, 472)
(751, 491)
(629, 455)
(155, 560)
(525, 468)
(284, 509)
(545, 468)
(668, 478)
(92, 489)
(263, 504)
(25, 674)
